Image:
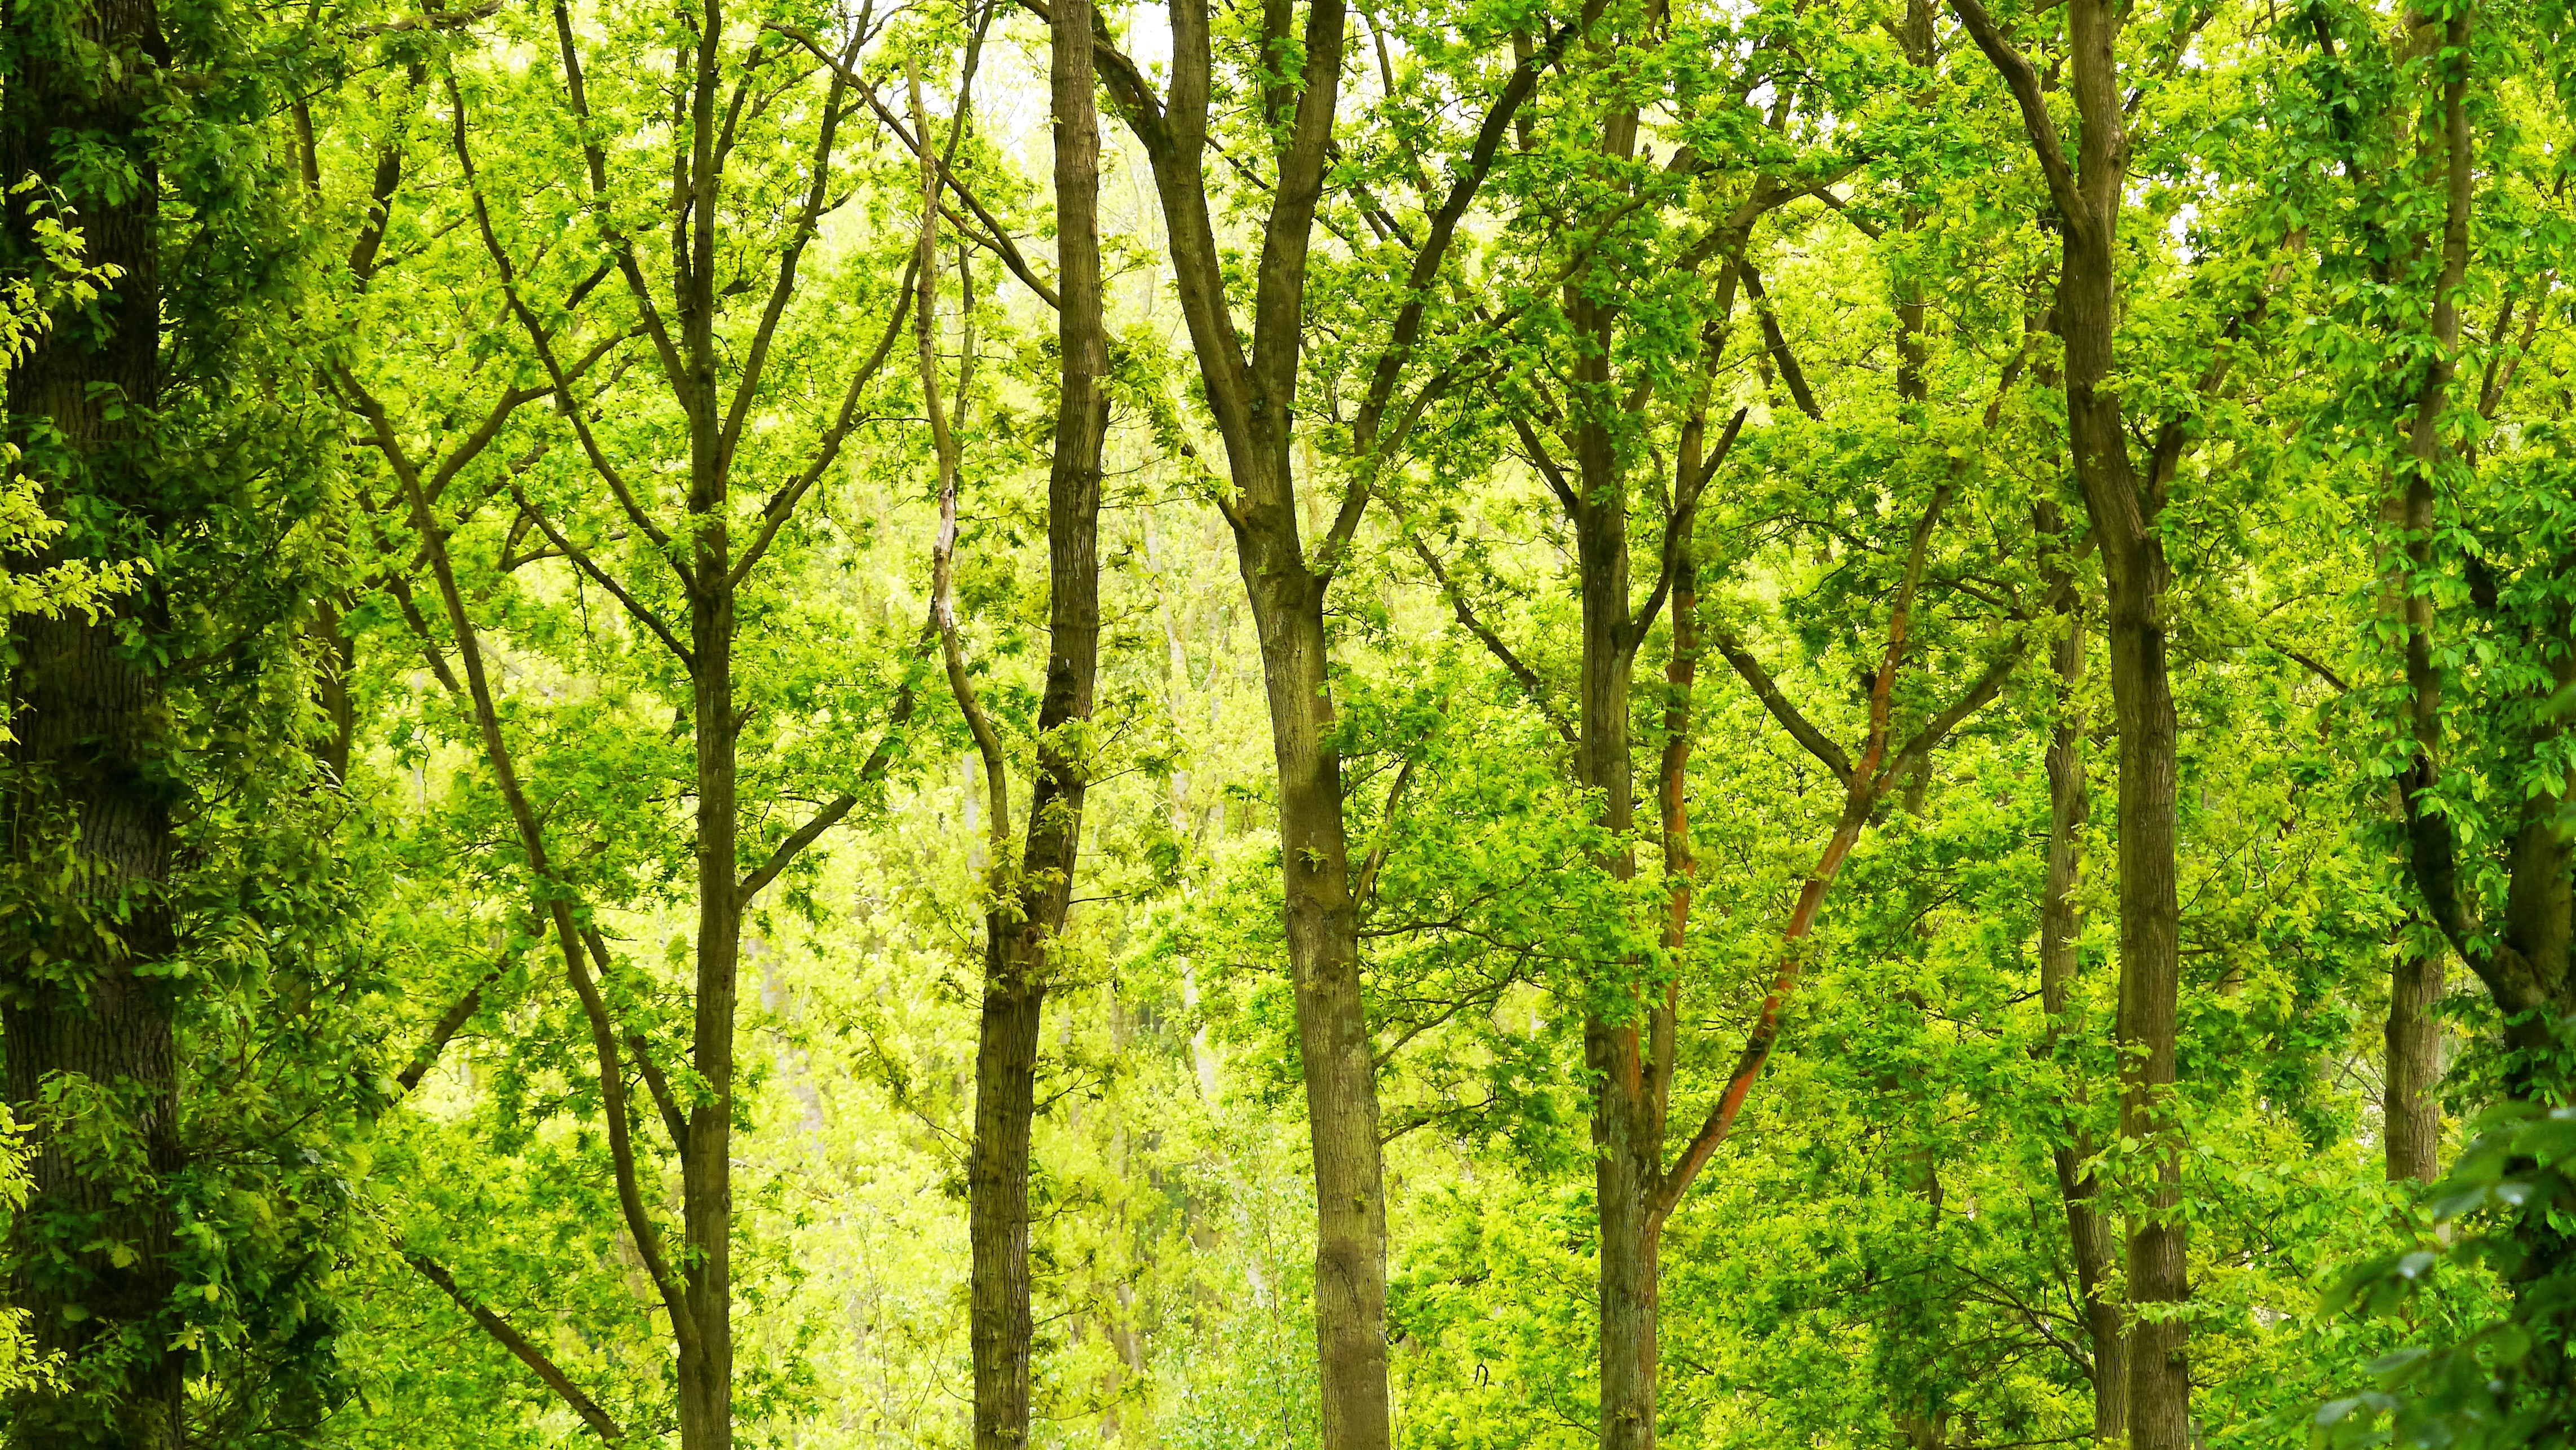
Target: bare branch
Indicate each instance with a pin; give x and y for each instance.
(450, 1022)
(1677, 525)
(782, 504)
(2023, 81)
(1767, 690)
(526, 1353)
(581, 557)
(755, 360)
(1367, 885)
(1434, 251)
(805, 835)
(537, 338)
(1790, 373)
(1536, 452)
(1528, 678)
(595, 159)
(995, 234)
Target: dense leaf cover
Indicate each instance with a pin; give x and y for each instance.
(579, 763)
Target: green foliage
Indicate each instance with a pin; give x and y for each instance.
(2475, 1379)
(1878, 1254)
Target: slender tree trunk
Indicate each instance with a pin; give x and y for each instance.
(1253, 396)
(2411, 1120)
(1628, 1157)
(706, 1150)
(2061, 922)
(2159, 1409)
(87, 785)
(1628, 1153)
(1627, 1148)
(1018, 940)
(706, 1158)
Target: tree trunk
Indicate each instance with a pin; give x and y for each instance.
(1626, 1143)
(706, 1150)
(88, 782)
(2159, 1409)
(2410, 1115)
(1018, 940)
(1252, 397)
(1332, 1017)
(706, 1157)
(2061, 922)
(2412, 1121)
(1628, 1152)
(2122, 508)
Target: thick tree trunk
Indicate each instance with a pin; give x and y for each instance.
(2159, 1409)
(2061, 922)
(2410, 1115)
(997, 1198)
(1332, 1017)
(88, 784)
(2122, 507)
(1018, 940)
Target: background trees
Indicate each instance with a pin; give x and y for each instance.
(1885, 639)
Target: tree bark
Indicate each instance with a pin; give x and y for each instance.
(2411, 1120)
(2410, 1115)
(1019, 937)
(1251, 395)
(89, 779)
(2061, 923)
(2122, 507)
(1627, 1162)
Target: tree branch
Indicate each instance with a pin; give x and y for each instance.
(755, 360)
(995, 234)
(1790, 373)
(450, 1022)
(1677, 524)
(582, 559)
(526, 1353)
(595, 160)
(2023, 81)
(805, 835)
(1530, 683)
(537, 338)
(1767, 690)
(782, 504)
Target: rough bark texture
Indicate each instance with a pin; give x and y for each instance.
(88, 784)
(706, 1148)
(2410, 1115)
(1019, 936)
(1627, 1157)
(2061, 923)
(2122, 505)
(1251, 395)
